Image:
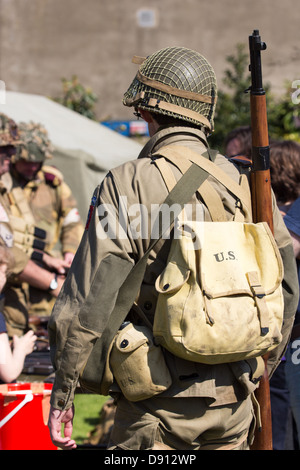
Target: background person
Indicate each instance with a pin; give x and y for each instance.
(39, 198)
(285, 181)
(292, 369)
(11, 358)
(238, 142)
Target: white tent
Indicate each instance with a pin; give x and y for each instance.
(84, 149)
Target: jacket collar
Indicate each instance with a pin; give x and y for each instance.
(174, 135)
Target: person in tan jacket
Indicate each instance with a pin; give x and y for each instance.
(23, 267)
(204, 406)
(39, 198)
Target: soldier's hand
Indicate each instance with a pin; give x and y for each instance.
(24, 343)
(68, 257)
(55, 264)
(56, 419)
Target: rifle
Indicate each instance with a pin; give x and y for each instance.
(261, 205)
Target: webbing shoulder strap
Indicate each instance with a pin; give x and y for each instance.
(174, 153)
(209, 195)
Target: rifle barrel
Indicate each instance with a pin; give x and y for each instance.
(256, 46)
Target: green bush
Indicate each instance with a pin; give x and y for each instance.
(78, 98)
(233, 106)
(284, 117)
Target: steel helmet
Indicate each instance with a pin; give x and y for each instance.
(35, 145)
(9, 134)
(176, 82)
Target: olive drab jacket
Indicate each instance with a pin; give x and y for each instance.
(105, 257)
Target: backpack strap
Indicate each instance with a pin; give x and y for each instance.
(244, 184)
(183, 157)
(166, 173)
(209, 195)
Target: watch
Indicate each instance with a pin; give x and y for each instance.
(53, 283)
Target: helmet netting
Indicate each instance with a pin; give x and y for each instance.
(183, 69)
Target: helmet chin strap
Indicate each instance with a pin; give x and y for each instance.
(179, 110)
(140, 100)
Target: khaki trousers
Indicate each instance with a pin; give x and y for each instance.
(182, 424)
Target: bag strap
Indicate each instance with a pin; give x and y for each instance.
(209, 195)
(174, 153)
(180, 195)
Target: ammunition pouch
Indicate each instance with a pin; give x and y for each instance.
(28, 238)
(138, 365)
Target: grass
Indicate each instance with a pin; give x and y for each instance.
(87, 409)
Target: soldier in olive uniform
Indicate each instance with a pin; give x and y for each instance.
(38, 197)
(24, 269)
(206, 406)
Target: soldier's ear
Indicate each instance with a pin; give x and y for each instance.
(146, 116)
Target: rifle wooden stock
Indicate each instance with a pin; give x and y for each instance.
(263, 436)
(262, 210)
(260, 191)
(260, 179)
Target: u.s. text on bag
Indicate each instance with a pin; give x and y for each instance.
(220, 297)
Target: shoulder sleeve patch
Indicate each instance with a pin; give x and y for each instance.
(52, 175)
(92, 207)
